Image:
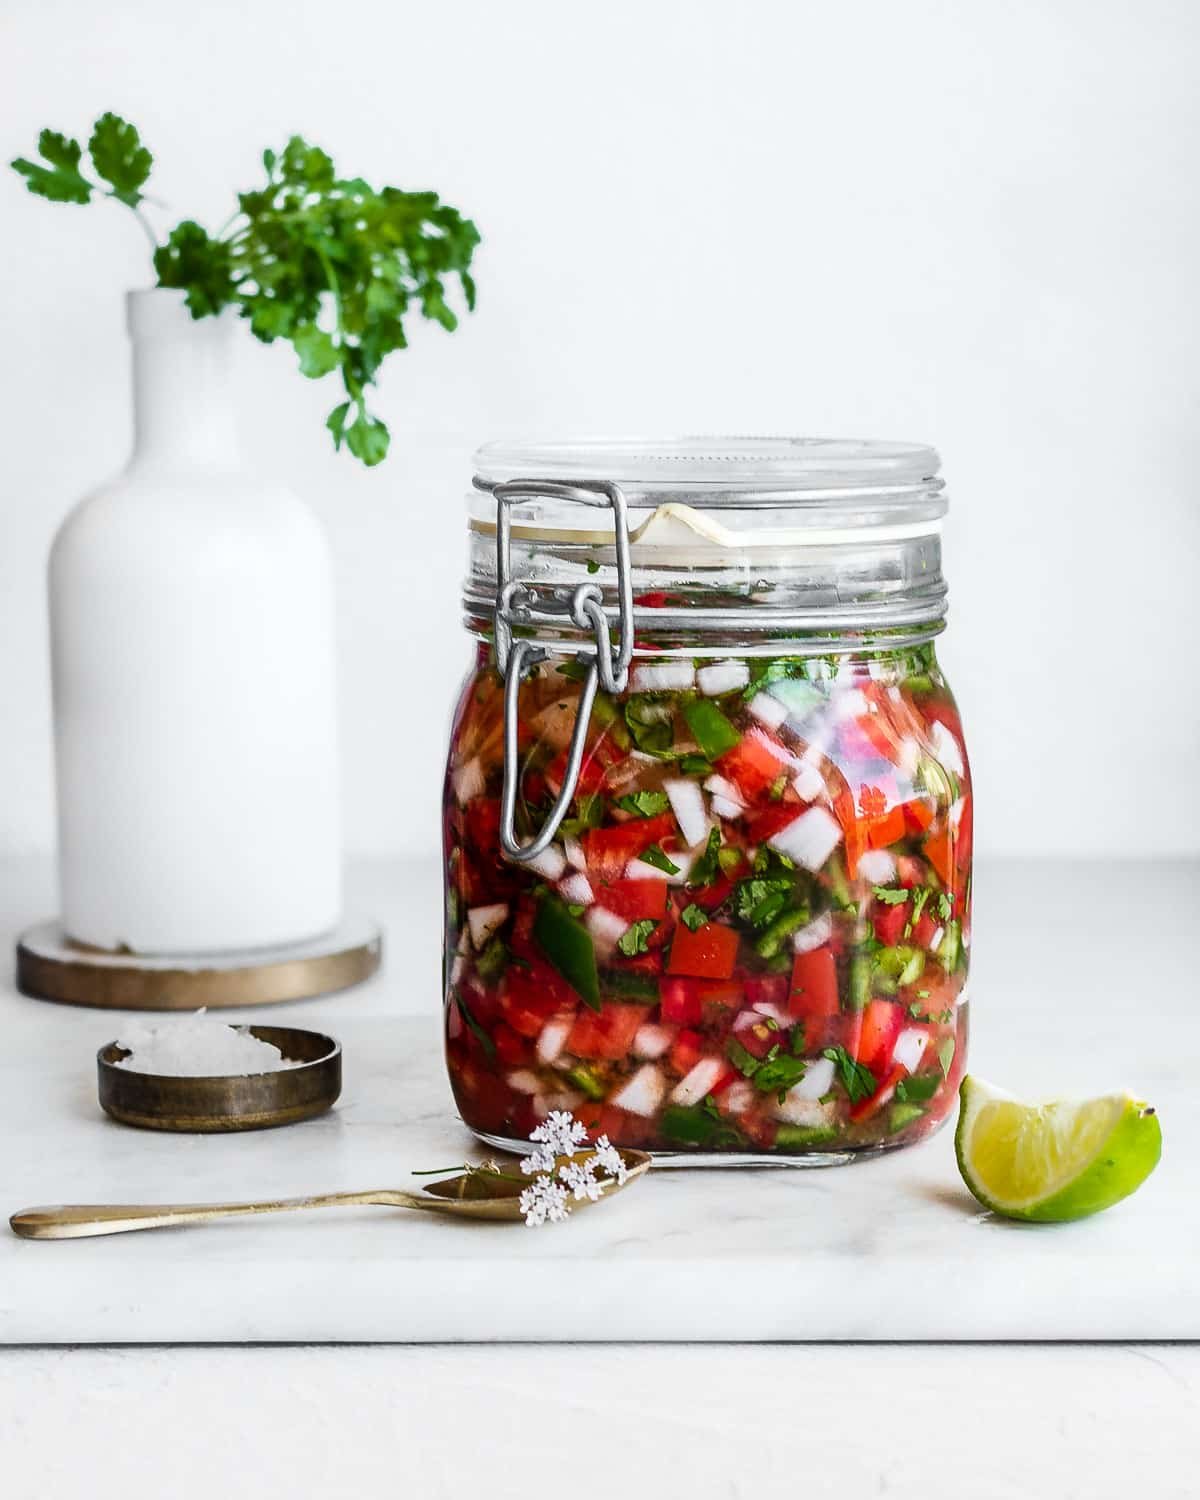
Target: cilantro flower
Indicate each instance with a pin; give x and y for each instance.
(544, 1201)
(580, 1177)
(609, 1158)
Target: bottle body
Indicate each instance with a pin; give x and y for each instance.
(192, 646)
(751, 935)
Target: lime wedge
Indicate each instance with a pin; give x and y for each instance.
(1052, 1162)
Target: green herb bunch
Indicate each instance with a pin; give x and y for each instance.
(306, 242)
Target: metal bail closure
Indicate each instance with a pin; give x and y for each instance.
(584, 607)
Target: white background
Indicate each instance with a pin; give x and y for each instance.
(971, 225)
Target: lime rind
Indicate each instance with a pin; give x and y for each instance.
(1055, 1162)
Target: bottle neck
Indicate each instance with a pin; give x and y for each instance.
(182, 386)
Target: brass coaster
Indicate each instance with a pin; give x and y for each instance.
(51, 967)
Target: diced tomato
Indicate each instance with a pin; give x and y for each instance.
(708, 897)
(888, 829)
(511, 1048)
(889, 922)
(764, 824)
(644, 963)
(854, 828)
(680, 1001)
(753, 764)
(865, 1108)
(770, 989)
(610, 850)
(483, 823)
(918, 815)
(607, 1033)
(718, 995)
(881, 1024)
(872, 803)
(879, 735)
(532, 995)
(483, 1004)
(924, 930)
(939, 850)
(651, 599)
(591, 773)
(708, 953)
(634, 900)
(686, 1052)
(966, 833)
(814, 991)
(756, 1035)
(841, 1030)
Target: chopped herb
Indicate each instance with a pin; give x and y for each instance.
(778, 1074)
(858, 1080)
(945, 1051)
(473, 1025)
(655, 857)
(889, 895)
(729, 860)
(592, 565)
(629, 984)
(698, 1125)
(576, 909)
(693, 917)
(493, 961)
(634, 939)
(694, 765)
(584, 1078)
(944, 905)
(576, 671)
(704, 871)
(644, 804)
(712, 730)
(920, 1089)
(778, 787)
(745, 1062)
(650, 723)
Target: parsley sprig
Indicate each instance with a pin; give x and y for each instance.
(329, 263)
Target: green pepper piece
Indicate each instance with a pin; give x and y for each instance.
(567, 945)
(901, 1115)
(629, 984)
(800, 1137)
(693, 1125)
(919, 1089)
(584, 1078)
(951, 947)
(745, 1062)
(713, 731)
(861, 967)
(769, 942)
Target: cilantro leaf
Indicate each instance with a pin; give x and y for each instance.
(693, 917)
(61, 181)
(635, 939)
(890, 896)
(317, 351)
(198, 265)
(655, 857)
(120, 158)
(704, 871)
(780, 1073)
(858, 1080)
(644, 804)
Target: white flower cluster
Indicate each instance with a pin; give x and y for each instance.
(546, 1199)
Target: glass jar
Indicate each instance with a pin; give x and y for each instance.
(708, 809)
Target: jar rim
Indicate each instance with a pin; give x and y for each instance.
(730, 472)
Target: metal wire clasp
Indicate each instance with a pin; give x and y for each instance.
(584, 607)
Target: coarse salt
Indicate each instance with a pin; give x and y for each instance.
(197, 1046)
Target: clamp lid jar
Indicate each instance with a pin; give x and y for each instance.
(708, 814)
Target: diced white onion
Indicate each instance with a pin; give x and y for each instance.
(946, 748)
(468, 781)
(719, 786)
(815, 935)
(524, 1082)
(954, 816)
(652, 1041)
(664, 677)
(849, 705)
(484, 920)
(722, 677)
(687, 803)
(638, 869)
(809, 839)
(797, 1109)
(908, 756)
(549, 864)
(723, 808)
(568, 1099)
(552, 1040)
(809, 783)
(739, 1097)
(910, 1048)
(577, 889)
(877, 866)
(798, 696)
(768, 710)
(935, 942)
(817, 1080)
(772, 1013)
(643, 1093)
(576, 858)
(699, 1082)
(605, 926)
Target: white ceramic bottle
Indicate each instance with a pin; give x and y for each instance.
(192, 642)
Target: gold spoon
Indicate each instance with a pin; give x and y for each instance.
(486, 1192)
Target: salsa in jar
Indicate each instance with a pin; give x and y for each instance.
(748, 930)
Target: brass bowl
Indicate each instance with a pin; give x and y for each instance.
(254, 1101)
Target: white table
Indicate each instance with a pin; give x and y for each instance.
(1083, 980)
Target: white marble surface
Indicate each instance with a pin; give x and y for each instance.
(1084, 980)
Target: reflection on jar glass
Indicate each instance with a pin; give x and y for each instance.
(727, 911)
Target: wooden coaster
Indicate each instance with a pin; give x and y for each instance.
(51, 967)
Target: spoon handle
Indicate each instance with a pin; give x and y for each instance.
(73, 1221)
